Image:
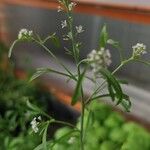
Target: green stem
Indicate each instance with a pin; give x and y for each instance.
(61, 73)
(82, 126)
(82, 115)
(122, 64)
(73, 42)
(103, 83)
(56, 59)
(100, 96)
(65, 123)
(117, 68)
(76, 57)
(11, 48)
(82, 112)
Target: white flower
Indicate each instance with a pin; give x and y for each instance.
(35, 123)
(99, 59)
(25, 34)
(79, 29)
(59, 9)
(39, 118)
(139, 49)
(67, 37)
(71, 6)
(63, 24)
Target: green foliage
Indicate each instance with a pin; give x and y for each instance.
(77, 92)
(39, 72)
(14, 121)
(44, 138)
(114, 87)
(100, 121)
(114, 120)
(15, 115)
(137, 139)
(107, 145)
(118, 135)
(103, 37)
(115, 90)
(62, 132)
(22, 141)
(109, 132)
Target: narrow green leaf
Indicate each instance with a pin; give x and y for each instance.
(69, 52)
(77, 92)
(113, 43)
(37, 110)
(90, 120)
(32, 107)
(103, 37)
(41, 71)
(83, 61)
(44, 143)
(56, 59)
(62, 138)
(15, 142)
(11, 48)
(114, 84)
(54, 39)
(127, 103)
(38, 73)
(111, 92)
(40, 147)
(100, 96)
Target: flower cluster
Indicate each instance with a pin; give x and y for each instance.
(67, 37)
(71, 6)
(139, 49)
(63, 24)
(25, 34)
(99, 59)
(34, 123)
(79, 29)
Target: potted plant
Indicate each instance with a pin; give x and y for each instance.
(99, 59)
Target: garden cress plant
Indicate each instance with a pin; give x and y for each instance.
(98, 59)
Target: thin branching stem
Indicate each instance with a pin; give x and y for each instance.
(56, 59)
(66, 123)
(102, 86)
(82, 124)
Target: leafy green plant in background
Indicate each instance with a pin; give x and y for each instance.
(15, 132)
(107, 131)
(99, 60)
